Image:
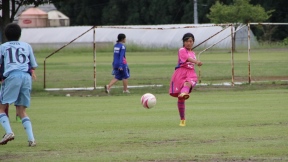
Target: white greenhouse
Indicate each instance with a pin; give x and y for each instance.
(152, 36)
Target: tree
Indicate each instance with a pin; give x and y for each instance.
(148, 12)
(135, 12)
(279, 15)
(15, 5)
(84, 12)
(240, 12)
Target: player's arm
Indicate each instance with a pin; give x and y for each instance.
(184, 57)
(195, 61)
(1, 73)
(122, 52)
(1, 68)
(33, 63)
(34, 77)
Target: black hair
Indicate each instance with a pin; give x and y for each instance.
(12, 32)
(120, 37)
(187, 36)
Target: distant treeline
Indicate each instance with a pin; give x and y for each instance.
(150, 12)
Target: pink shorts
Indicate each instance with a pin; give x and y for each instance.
(180, 76)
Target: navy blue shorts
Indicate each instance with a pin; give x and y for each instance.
(122, 74)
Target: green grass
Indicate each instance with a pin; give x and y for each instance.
(74, 68)
(224, 123)
(247, 125)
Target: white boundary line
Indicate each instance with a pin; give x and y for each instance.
(92, 88)
(158, 85)
(238, 83)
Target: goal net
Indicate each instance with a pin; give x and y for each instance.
(152, 56)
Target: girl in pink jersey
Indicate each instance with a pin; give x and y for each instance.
(184, 78)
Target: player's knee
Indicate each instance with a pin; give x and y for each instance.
(188, 84)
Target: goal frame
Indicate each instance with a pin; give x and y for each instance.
(233, 31)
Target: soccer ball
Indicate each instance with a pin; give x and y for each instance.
(148, 100)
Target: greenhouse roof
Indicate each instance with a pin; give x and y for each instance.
(168, 36)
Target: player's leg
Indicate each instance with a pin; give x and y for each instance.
(7, 110)
(186, 90)
(181, 109)
(125, 86)
(188, 85)
(9, 92)
(112, 82)
(4, 120)
(21, 111)
(18, 118)
(117, 76)
(125, 75)
(184, 93)
(23, 102)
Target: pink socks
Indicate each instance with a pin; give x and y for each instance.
(181, 109)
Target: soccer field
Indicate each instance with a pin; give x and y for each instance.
(74, 68)
(233, 125)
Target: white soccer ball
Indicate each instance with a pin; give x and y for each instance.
(148, 100)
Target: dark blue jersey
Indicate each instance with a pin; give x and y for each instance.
(119, 58)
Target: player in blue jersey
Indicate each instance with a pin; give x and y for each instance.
(1, 79)
(18, 59)
(120, 66)
(18, 119)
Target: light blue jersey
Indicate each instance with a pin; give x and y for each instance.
(16, 55)
(17, 59)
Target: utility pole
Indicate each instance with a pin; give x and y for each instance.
(5, 18)
(195, 12)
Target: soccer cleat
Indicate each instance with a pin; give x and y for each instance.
(6, 138)
(183, 96)
(127, 91)
(18, 119)
(31, 143)
(182, 123)
(107, 90)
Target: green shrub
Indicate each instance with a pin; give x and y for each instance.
(285, 41)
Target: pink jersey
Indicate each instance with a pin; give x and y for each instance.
(183, 55)
(184, 72)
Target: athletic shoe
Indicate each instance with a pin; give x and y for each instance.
(183, 96)
(127, 91)
(31, 143)
(18, 119)
(107, 90)
(182, 123)
(6, 138)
